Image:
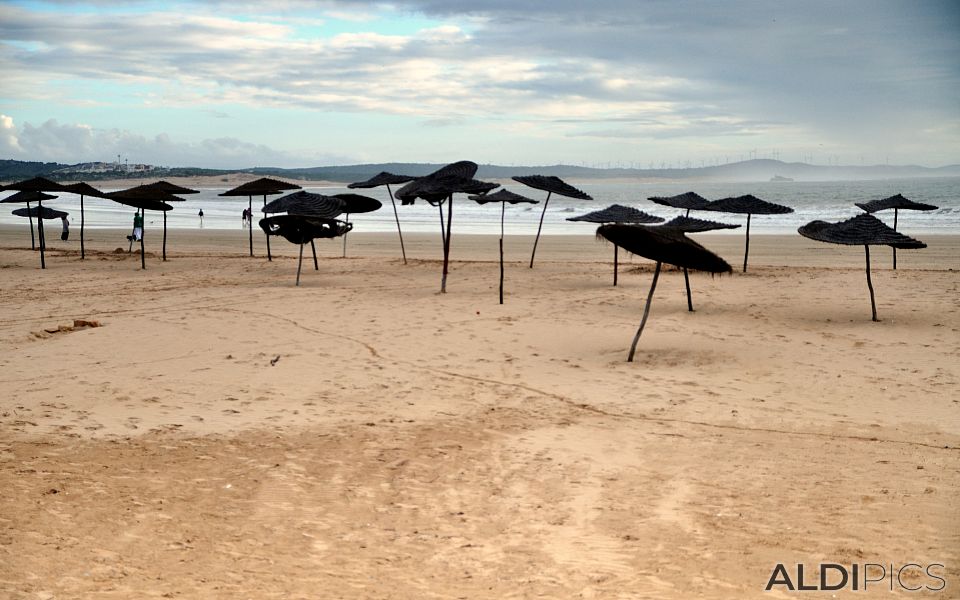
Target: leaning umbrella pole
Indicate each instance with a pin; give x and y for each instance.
(396, 216)
(646, 313)
(536, 240)
(33, 244)
(503, 209)
(446, 245)
(873, 302)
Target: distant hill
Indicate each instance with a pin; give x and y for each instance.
(745, 171)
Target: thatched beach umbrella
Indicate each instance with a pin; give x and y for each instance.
(503, 197)
(692, 225)
(83, 189)
(172, 189)
(687, 201)
(551, 185)
(862, 230)
(27, 198)
(356, 204)
(897, 203)
(161, 192)
(440, 186)
(37, 184)
(617, 213)
(308, 216)
(142, 201)
(749, 205)
(260, 187)
(387, 179)
(663, 245)
(40, 212)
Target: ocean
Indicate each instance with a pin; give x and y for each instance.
(829, 201)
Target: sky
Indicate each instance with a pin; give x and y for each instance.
(630, 83)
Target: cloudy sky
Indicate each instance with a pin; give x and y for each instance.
(608, 82)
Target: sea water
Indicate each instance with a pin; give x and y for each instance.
(829, 201)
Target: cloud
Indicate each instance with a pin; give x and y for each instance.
(73, 143)
(881, 72)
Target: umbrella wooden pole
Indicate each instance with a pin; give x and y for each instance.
(250, 221)
(646, 313)
(265, 234)
(313, 247)
(686, 280)
(446, 246)
(82, 249)
(503, 209)
(164, 236)
(616, 265)
(873, 303)
(346, 219)
(300, 263)
(443, 231)
(33, 244)
(895, 211)
(536, 240)
(746, 249)
(143, 234)
(40, 240)
(397, 217)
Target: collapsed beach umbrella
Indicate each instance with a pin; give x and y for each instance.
(551, 185)
(617, 213)
(749, 205)
(143, 201)
(387, 179)
(687, 201)
(356, 204)
(897, 203)
(503, 197)
(37, 184)
(83, 189)
(308, 216)
(27, 198)
(440, 186)
(260, 187)
(663, 245)
(692, 225)
(862, 230)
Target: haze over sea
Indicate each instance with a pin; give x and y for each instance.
(829, 201)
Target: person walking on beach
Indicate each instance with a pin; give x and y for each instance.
(200, 214)
(244, 217)
(137, 226)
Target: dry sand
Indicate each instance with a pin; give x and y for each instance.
(224, 434)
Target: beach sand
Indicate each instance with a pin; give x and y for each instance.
(225, 434)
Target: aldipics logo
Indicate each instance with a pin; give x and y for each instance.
(911, 577)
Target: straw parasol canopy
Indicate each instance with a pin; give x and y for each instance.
(40, 212)
(687, 201)
(617, 213)
(440, 186)
(862, 230)
(308, 216)
(551, 185)
(83, 189)
(503, 197)
(897, 203)
(748, 205)
(356, 203)
(663, 245)
(260, 187)
(387, 179)
(144, 200)
(693, 225)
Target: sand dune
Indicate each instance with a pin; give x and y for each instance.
(224, 433)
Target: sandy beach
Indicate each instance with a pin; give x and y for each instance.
(221, 433)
